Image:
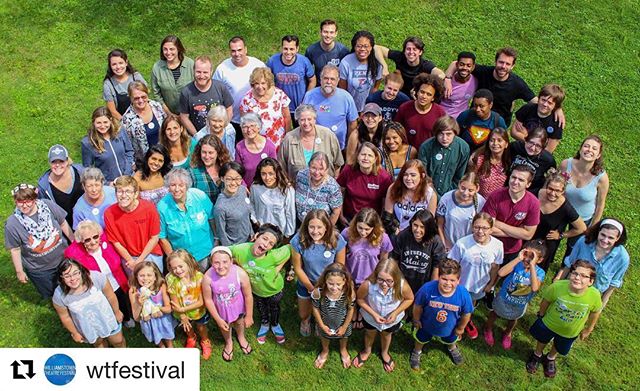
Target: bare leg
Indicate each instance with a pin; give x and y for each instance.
(238, 326)
(511, 324)
(539, 348)
(202, 331)
(118, 341)
(491, 319)
(324, 353)
(100, 343)
(344, 353)
(385, 343)
(168, 343)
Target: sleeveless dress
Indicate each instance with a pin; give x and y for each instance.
(227, 294)
(333, 314)
(157, 329)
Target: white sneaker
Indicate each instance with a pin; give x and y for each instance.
(130, 324)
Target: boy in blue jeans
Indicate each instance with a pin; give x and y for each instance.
(441, 309)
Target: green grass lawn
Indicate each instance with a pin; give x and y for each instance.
(54, 58)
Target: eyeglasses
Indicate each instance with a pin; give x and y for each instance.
(69, 276)
(232, 180)
(143, 98)
(88, 240)
(531, 144)
(124, 192)
(480, 228)
(381, 281)
(363, 46)
(25, 202)
(583, 276)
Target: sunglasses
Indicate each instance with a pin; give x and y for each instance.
(94, 237)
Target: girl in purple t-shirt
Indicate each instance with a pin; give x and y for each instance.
(367, 244)
(227, 295)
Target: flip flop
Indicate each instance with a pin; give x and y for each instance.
(346, 363)
(227, 356)
(245, 349)
(319, 363)
(388, 366)
(358, 361)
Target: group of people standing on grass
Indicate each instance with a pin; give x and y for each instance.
(405, 204)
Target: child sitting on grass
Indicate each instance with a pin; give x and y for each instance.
(442, 309)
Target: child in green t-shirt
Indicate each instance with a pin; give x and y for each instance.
(262, 259)
(566, 307)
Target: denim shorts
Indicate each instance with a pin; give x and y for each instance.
(302, 291)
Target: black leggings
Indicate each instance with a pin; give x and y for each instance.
(123, 304)
(269, 308)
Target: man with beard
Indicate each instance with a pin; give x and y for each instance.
(409, 61)
(335, 106)
(463, 85)
(505, 85)
(197, 97)
(293, 72)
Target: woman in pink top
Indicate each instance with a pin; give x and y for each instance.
(270, 103)
(492, 161)
(227, 296)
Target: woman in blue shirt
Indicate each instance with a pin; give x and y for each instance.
(603, 247)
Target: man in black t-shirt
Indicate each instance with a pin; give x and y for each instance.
(506, 86)
(541, 115)
(409, 61)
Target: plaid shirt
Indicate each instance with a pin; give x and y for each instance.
(203, 181)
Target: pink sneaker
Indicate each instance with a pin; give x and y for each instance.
(488, 337)
(506, 341)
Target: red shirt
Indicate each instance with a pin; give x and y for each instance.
(363, 191)
(419, 127)
(525, 212)
(133, 229)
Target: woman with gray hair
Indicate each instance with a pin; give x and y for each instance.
(315, 189)
(92, 250)
(96, 199)
(298, 145)
(218, 124)
(254, 147)
(269, 102)
(185, 218)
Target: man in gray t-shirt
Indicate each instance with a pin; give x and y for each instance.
(197, 97)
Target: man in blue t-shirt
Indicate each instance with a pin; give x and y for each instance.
(293, 72)
(327, 50)
(442, 308)
(335, 107)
